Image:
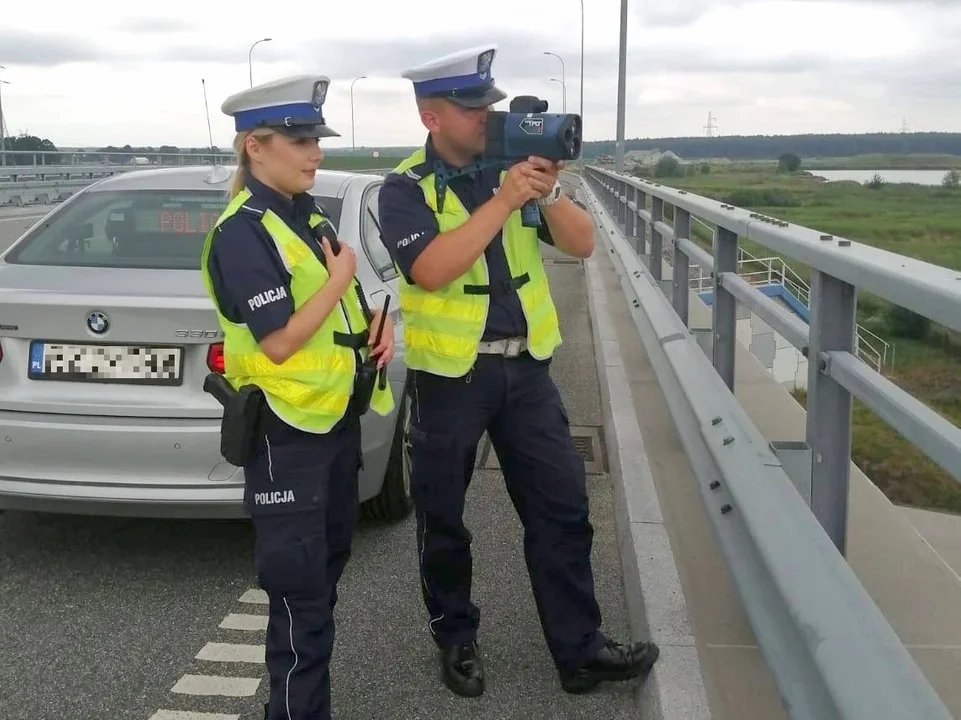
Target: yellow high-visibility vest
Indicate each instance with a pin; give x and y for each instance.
(310, 390)
(442, 329)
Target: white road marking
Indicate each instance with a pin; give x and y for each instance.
(214, 685)
(230, 652)
(240, 621)
(223, 686)
(254, 596)
(21, 217)
(187, 715)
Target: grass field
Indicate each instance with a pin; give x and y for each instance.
(920, 222)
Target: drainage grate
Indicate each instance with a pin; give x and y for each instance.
(587, 442)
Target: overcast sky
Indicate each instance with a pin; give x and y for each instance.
(101, 73)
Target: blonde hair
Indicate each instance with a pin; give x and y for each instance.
(243, 160)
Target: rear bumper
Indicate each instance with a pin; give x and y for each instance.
(137, 467)
(221, 501)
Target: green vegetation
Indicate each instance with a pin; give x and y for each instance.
(917, 221)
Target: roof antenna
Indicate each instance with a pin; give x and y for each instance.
(218, 173)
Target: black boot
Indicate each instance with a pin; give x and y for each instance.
(463, 670)
(613, 662)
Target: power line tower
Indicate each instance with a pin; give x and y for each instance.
(711, 126)
(904, 125)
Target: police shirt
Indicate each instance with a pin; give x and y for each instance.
(408, 225)
(248, 276)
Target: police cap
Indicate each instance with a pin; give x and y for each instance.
(462, 77)
(291, 105)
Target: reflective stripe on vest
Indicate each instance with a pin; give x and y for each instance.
(311, 389)
(442, 329)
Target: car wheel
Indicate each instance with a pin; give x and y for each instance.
(393, 502)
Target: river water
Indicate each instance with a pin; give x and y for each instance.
(918, 177)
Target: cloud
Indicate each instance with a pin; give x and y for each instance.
(154, 25)
(45, 50)
(683, 13)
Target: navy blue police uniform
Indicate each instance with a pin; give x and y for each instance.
(300, 487)
(514, 399)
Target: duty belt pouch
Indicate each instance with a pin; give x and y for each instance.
(241, 426)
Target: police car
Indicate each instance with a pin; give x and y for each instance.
(107, 334)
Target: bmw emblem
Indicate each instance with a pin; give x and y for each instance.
(98, 322)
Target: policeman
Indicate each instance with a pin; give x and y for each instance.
(480, 329)
(295, 324)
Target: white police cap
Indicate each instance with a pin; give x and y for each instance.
(462, 77)
(291, 105)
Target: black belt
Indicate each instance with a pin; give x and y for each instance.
(503, 287)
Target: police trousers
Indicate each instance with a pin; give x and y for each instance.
(516, 401)
(301, 494)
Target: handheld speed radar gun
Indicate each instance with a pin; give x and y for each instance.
(527, 129)
(512, 137)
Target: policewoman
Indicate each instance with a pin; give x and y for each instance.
(480, 328)
(295, 325)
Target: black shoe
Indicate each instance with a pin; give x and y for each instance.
(612, 662)
(463, 670)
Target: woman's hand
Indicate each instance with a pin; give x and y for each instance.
(384, 351)
(340, 267)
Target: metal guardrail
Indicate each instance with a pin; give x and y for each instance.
(831, 651)
(28, 192)
(78, 157)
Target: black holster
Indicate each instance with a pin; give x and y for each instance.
(364, 387)
(243, 419)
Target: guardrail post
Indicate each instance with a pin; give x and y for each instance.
(829, 405)
(630, 219)
(640, 245)
(681, 264)
(620, 187)
(657, 215)
(724, 315)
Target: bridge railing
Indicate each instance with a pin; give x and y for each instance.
(780, 510)
(44, 184)
(771, 271)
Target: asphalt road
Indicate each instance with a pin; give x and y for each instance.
(106, 618)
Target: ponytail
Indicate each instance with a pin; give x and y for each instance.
(239, 181)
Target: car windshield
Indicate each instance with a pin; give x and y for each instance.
(156, 229)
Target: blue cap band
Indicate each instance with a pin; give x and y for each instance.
(298, 113)
(448, 84)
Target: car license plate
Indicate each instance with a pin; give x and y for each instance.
(140, 364)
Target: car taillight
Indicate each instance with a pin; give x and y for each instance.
(215, 358)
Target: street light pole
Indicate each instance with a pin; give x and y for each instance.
(564, 90)
(621, 90)
(250, 66)
(582, 65)
(353, 146)
(3, 124)
(563, 77)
